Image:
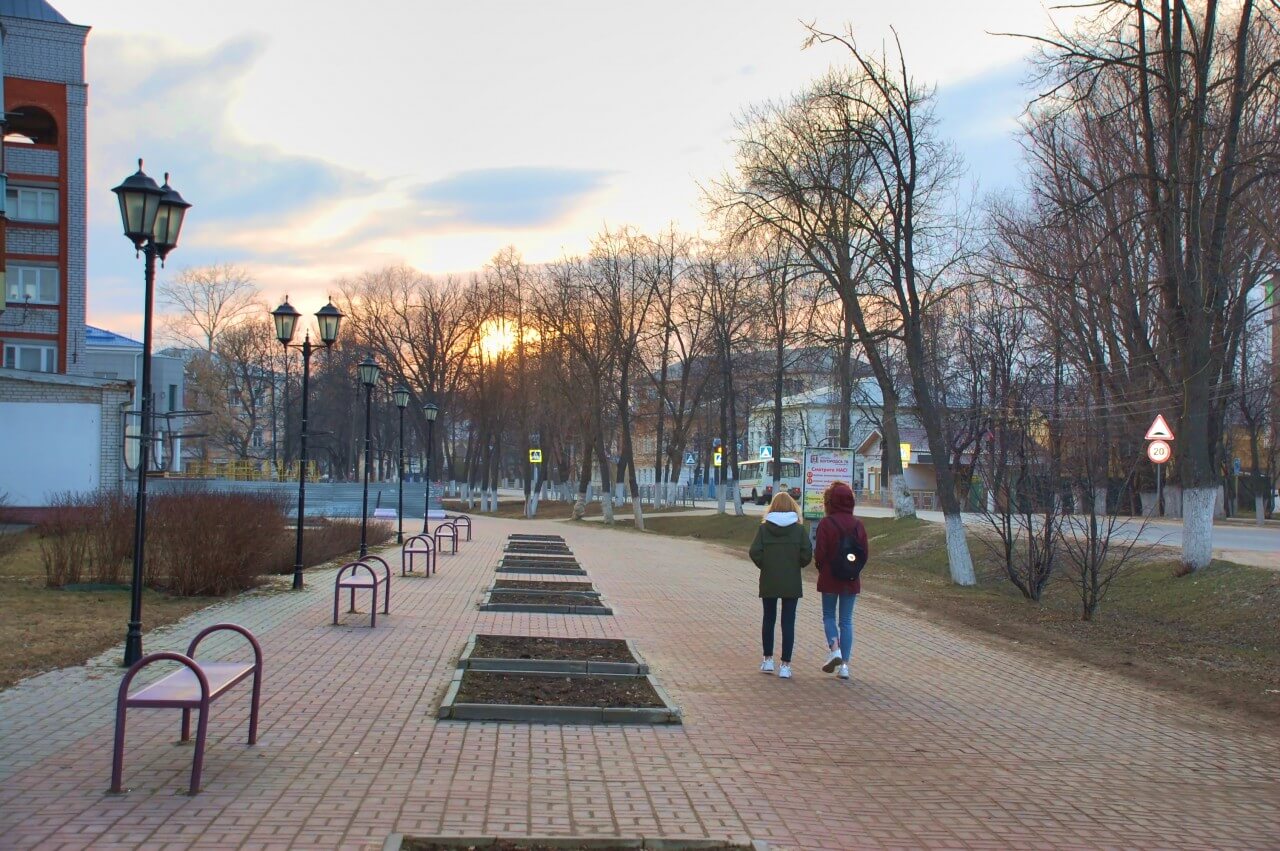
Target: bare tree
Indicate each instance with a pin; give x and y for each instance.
(1192, 85)
(918, 239)
(202, 302)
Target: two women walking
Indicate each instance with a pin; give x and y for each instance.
(781, 550)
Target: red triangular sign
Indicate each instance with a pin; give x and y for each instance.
(1159, 429)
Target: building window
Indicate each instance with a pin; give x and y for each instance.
(32, 358)
(39, 284)
(173, 397)
(28, 204)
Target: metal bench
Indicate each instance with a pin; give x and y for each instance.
(355, 580)
(194, 686)
(446, 530)
(460, 521)
(418, 545)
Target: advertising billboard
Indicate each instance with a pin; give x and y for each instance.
(822, 466)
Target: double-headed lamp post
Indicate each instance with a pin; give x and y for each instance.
(401, 395)
(329, 320)
(152, 217)
(430, 411)
(369, 373)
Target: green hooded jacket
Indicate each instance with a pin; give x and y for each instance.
(781, 550)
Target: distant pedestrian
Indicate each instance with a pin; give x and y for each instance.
(840, 553)
(781, 550)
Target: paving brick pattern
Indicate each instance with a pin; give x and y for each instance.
(941, 740)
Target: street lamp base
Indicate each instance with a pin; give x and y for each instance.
(133, 644)
(297, 578)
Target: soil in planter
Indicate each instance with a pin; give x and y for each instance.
(554, 690)
(543, 598)
(535, 585)
(411, 843)
(558, 649)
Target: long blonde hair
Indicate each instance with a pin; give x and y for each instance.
(782, 501)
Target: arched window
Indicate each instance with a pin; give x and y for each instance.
(31, 125)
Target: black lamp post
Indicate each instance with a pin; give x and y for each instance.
(286, 316)
(152, 216)
(430, 411)
(401, 395)
(369, 373)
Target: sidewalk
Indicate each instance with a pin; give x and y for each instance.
(943, 739)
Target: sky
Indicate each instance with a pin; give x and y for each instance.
(321, 139)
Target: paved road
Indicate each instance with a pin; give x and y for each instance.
(943, 738)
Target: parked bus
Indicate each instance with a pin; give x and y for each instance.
(755, 480)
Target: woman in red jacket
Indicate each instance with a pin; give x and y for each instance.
(838, 596)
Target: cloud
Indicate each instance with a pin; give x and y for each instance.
(516, 197)
(980, 115)
(178, 110)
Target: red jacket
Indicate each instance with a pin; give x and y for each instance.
(839, 521)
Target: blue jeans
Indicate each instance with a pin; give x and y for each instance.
(845, 633)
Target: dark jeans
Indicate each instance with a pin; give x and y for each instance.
(788, 625)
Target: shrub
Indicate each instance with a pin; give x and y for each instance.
(64, 539)
(211, 543)
(8, 542)
(325, 540)
(109, 515)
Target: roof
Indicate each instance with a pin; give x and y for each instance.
(34, 10)
(100, 338)
(866, 392)
(57, 378)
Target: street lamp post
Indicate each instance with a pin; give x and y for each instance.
(152, 217)
(329, 319)
(369, 373)
(401, 394)
(430, 411)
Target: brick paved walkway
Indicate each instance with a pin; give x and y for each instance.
(942, 740)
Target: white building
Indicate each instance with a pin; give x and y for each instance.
(812, 418)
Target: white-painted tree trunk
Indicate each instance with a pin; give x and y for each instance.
(1197, 526)
(1260, 510)
(606, 508)
(958, 557)
(720, 498)
(1172, 501)
(638, 512)
(903, 504)
(1149, 503)
(737, 502)
(580, 506)
(1100, 501)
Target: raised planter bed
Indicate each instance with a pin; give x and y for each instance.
(542, 585)
(543, 602)
(396, 842)
(545, 568)
(552, 538)
(522, 653)
(538, 547)
(557, 698)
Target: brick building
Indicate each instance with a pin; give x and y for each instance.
(61, 428)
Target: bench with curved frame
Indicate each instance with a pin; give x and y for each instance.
(418, 545)
(194, 686)
(446, 530)
(460, 522)
(350, 578)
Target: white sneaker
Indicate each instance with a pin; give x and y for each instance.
(784, 672)
(766, 667)
(833, 661)
(844, 672)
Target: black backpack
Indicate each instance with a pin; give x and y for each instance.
(850, 558)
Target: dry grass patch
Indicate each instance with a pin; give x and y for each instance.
(44, 628)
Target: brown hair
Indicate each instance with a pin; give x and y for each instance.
(782, 501)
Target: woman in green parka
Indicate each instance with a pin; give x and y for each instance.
(781, 550)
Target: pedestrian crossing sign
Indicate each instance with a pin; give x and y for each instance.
(535, 456)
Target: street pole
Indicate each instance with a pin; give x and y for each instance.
(400, 494)
(302, 462)
(368, 461)
(426, 513)
(133, 639)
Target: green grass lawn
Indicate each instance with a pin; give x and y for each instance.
(1215, 633)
